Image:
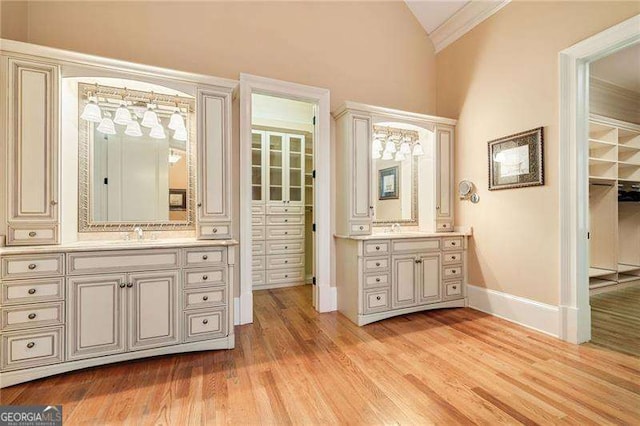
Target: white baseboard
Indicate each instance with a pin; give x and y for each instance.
(526, 312)
(332, 302)
(236, 311)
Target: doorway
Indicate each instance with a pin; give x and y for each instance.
(285, 196)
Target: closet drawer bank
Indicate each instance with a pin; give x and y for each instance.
(385, 275)
(85, 304)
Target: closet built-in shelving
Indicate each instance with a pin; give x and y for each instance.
(614, 231)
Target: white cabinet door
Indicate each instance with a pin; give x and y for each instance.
(403, 281)
(32, 148)
(295, 170)
(95, 315)
(444, 174)
(258, 166)
(276, 164)
(214, 164)
(153, 309)
(429, 288)
(361, 205)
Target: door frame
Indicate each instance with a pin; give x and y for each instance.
(575, 311)
(324, 294)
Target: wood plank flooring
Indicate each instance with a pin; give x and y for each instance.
(615, 320)
(294, 366)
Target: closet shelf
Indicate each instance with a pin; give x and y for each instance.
(599, 272)
(628, 148)
(599, 283)
(623, 278)
(626, 164)
(603, 180)
(594, 161)
(622, 268)
(601, 142)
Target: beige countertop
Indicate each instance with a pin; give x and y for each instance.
(400, 235)
(116, 245)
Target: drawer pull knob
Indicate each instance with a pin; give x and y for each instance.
(286, 247)
(30, 345)
(205, 321)
(377, 280)
(377, 247)
(361, 227)
(377, 263)
(32, 266)
(205, 277)
(377, 297)
(455, 287)
(286, 210)
(31, 316)
(286, 232)
(32, 291)
(286, 261)
(453, 243)
(33, 234)
(286, 275)
(205, 298)
(54, 202)
(199, 204)
(453, 271)
(286, 220)
(214, 230)
(205, 257)
(122, 285)
(453, 258)
(129, 285)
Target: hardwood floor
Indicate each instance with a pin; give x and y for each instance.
(293, 365)
(615, 320)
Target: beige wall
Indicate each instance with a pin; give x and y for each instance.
(502, 78)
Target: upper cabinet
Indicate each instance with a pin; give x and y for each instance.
(393, 167)
(31, 117)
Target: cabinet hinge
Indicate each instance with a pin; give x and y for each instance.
(106, 181)
(313, 174)
(313, 280)
(313, 227)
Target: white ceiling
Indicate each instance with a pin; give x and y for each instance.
(432, 14)
(621, 68)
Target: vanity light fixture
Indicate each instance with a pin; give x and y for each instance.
(399, 156)
(405, 148)
(390, 147)
(387, 156)
(123, 115)
(417, 150)
(133, 128)
(157, 132)
(92, 111)
(376, 154)
(176, 121)
(150, 118)
(377, 144)
(180, 134)
(106, 126)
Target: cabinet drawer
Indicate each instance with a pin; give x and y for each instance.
(285, 220)
(376, 280)
(258, 262)
(122, 261)
(203, 298)
(372, 248)
(206, 257)
(257, 278)
(258, 248)
(32, 235)
(257, 233)
(285, 261)
(214, 232)
(285, 232)
(279, 276)
(449, 258)
(257, 220)
(31, 348)
(205, 324)
(32, 266)
(285, 247)
(285, 210)
(452, 272)
(412, 244)
(376, 264)
(257, 209)
(30, 291)
(207, 277)
(452, 243)
(360, 228)
(31, 316)
(376, 301)
(444, 227)
(453, 289)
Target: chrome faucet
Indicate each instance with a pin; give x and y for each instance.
(138, 232)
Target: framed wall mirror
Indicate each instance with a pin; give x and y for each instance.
(136, 159)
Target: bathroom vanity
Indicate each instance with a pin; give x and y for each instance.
(93, 150)
(397, 248)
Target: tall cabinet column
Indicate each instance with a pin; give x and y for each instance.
(32, 133)
(444, 178)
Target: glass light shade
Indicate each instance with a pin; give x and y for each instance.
(375, 154)
(123, 116)
(158, 132)
(92, 112)
(150, 118)
(387, 156)
(107, 127)
(377, 144)
(176, 121)
(390, 147)
(180, 134)
(417, 150)
(133, 129)
(399, 156)
(405, 148)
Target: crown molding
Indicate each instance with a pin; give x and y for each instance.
(463, 21)
(600, 83)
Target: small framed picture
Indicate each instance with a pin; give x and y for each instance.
(388, 183)
(177, 199)
(517, 161)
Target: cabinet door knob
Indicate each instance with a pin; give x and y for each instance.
(54, 202)
(378, 298)
(214, 230)
(377, 263)
(453, 243)
(32, 266)
(205, 298)
(205, 321)
(286, 232)
(453, 258)
(286, 220)
(205, 277)
(129, 285)
(205, 257)
(377, 247)
(286, 247)
(33, 234)
(286, 261)
(286, 275)
(286, 210)
(122, 285)
(31, 316)
(361, 227)
(377, 280)
(453, 271)
(455, 287)
(30, 345)
(199, 204)
(32, 291)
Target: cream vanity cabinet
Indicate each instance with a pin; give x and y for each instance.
(30, 113)
(444, 137)
(78, 305)
(383, 276)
